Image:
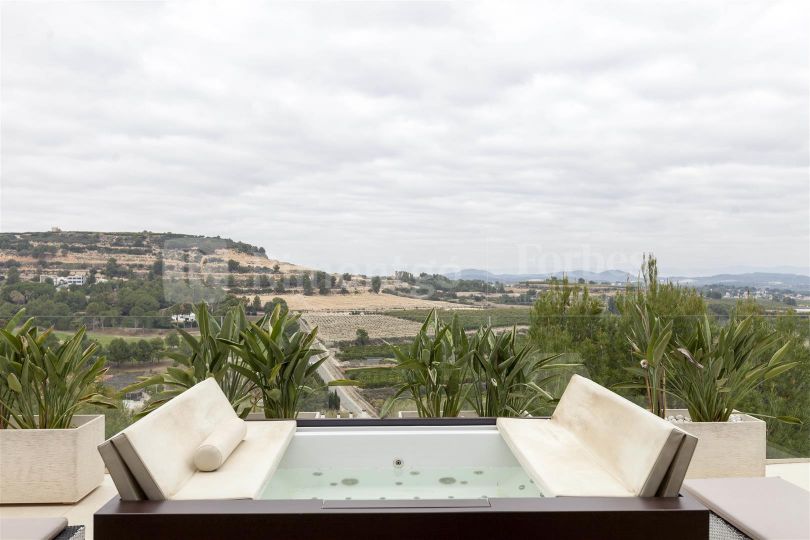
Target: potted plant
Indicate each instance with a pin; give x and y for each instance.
(48, 451)
(509, 380)
(277, 362)
(435, 368)
(209, 356)
(711, 372)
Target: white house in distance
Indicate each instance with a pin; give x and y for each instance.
(184, 318)
(62, 281)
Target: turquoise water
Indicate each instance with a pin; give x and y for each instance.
(399, 484)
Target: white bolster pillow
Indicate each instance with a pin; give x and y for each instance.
(215, 449)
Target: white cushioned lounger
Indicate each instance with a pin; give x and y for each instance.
(157, 451)
(599, 444)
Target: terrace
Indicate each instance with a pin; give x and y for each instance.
(338, 463)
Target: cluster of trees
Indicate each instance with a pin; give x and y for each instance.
(121, 350)
(567, 319)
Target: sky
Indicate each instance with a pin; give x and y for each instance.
(429, 136)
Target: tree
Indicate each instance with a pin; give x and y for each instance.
(143, 351)
(347, 276)
(333, 401)
(292, 281)
(376, 283)
(157, 267)
(13, 276)
(231, 281)
(279, 288)
(173, 340)
(256, 306)
(118, 351)
(276, 268)
(157, 346)
(307, 285)
(362, 337)
(112, 269)
(270, 306)
(233, 266)
(264, 281)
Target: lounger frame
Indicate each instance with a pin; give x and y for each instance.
(560, 518)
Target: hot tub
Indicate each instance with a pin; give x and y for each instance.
(398, 463)
(402, 479)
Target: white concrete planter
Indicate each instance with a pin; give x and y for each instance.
(51, 465)
(725, 449)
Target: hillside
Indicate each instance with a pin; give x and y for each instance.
(135, 254)
(772, 280)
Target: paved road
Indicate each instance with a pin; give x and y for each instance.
(350, 398)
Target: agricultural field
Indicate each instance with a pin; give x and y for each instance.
(350, 351)
(354, 302)
(374, 377)
(343, 327)
(471, 319)
(104, 338)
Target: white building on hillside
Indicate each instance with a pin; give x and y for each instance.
(61, 281)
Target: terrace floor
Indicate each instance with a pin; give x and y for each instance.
(82, 512)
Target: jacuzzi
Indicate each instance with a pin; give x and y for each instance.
(377, 463)
(397, 479)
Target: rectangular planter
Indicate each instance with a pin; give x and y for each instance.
(51, 465)
(725, 449)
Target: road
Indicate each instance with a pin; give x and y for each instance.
(350, 398)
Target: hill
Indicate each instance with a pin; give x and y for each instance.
(773, 280)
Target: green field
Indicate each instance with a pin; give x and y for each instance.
(105, 339)
(372, 350)
(374, 377)
(470, 319)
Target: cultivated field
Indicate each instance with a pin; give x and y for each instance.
(355, 302)
(343, 327)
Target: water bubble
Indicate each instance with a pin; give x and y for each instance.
(332, 483)
(398, 483)
(521, 486)
(414, 473)
(447, 480)
(349, 481)
(478, 472)
(317, 473)
(416, 497)
(348, 498)
(382, 498)
(464, 482)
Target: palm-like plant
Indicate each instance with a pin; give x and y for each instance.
(45, 387)
(509, 379)
(435, 368)
(11, 359)
(650, 344)
(209, 356)
(713, 371)
(277, 362)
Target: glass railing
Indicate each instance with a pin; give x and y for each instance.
(364, 350)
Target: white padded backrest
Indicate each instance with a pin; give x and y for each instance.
(159, 448)
(633, 444)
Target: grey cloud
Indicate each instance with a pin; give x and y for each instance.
(418, 135)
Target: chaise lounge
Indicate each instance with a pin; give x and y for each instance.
(154, 457)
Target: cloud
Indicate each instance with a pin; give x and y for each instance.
(423, 135)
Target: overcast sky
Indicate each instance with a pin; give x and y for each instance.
(507, 136)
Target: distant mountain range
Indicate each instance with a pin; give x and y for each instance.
(751, 279)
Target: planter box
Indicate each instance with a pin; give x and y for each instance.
(725, 449)
(51, 465)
